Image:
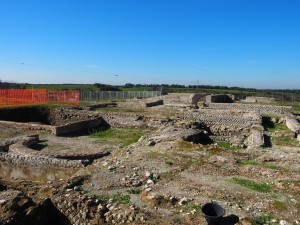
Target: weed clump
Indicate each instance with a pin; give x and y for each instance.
(256, 186)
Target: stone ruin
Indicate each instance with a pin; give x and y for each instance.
(239, 124)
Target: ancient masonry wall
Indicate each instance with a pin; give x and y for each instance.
(222, 98)
(80, 126)
(262, 109)
(86, 210)
(133, 120)
(25, 160)
(195, 98)
(68, 128)
(16, 152)
(29, 126)
(224, 122)
(77, 208)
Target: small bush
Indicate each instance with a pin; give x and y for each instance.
(263, 219)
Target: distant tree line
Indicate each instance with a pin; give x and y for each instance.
(221, 87)
(9, 85)
(106, 87)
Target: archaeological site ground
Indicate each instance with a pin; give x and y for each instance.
(150, 161)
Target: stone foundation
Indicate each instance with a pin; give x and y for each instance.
(261, 109)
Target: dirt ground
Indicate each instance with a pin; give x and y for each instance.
(171, 180)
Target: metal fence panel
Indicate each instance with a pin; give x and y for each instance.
(110, 95)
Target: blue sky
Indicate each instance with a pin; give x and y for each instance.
(246, 43)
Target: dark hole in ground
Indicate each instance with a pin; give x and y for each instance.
(39, 145)
(2, 187)
(50, 116)
(268, 142)
(39, 114)
(267, 122)
(200, 138)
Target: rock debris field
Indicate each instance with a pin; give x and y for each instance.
(149, 161)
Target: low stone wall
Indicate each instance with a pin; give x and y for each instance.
(62, 116)
(133, 120)
(154, 103)
(17, 152)
(80, 126)
(195, 98)
(81, 209)
(175, 98)
(69, 128)
(4, 145)
(220, 98)
(96, 106)
(262, 109)
(29, 126)
(32, 160)
(224, 118)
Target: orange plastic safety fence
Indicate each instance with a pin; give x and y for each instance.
(15, 97)
(68, 97)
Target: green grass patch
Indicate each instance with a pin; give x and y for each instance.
(256, 186)
(255, 163)
(263, 219)
(177, 220)
(278, 127)
(227, 145)
(103, 198)
(196, 209)
(117, 198)
(123, 136)
(285, 141)
(135, 191)
(295, 106)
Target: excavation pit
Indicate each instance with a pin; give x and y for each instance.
(53, 120)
